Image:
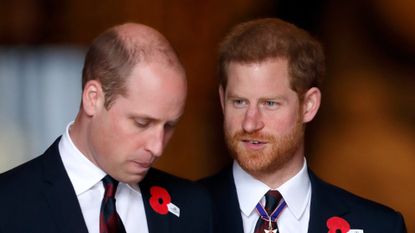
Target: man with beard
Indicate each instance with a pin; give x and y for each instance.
(271, 72)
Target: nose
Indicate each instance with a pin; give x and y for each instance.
(155, 142)
(252, 120)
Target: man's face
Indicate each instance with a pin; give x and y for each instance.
(125, 140)
(263, 120)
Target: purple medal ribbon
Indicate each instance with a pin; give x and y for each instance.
(274, 215)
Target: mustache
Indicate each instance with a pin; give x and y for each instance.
(253, 136)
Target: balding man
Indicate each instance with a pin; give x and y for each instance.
(97, 176)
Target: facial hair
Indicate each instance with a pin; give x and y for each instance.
(267, 160)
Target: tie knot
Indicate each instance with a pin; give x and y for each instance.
(272, 198)
(110, 185)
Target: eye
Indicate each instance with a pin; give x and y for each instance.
(141, 123)
(239, 103)
(271, 104)
(170, 126)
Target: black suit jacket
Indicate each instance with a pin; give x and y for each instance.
(38, 197)
(326, 201)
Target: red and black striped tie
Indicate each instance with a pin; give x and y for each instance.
(109, 220)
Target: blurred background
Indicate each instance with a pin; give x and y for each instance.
(362, 140)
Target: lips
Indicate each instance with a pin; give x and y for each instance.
(143, 164)
(255, 142)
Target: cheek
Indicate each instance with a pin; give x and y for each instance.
(134, 141)
(231, 124)
(119, 128)
(233, 119)
(283, 122)
(117, 136)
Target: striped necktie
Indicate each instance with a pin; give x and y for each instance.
(109, 220)
(272, 198)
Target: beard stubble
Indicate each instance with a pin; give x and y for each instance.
(267, 160)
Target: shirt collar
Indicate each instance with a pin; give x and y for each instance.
(296, 191)
(249, 190)
(81, 171)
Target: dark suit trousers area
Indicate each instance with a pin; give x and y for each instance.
(38, 197)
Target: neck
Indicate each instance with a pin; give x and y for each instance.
(77, 134)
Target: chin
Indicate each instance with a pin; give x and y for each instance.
(262, 162)
(133, 178)
(253, 165)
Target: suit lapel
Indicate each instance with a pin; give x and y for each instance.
(323, 205)
(226, 210)
(60, 195)
(229, 217)
(157, 223)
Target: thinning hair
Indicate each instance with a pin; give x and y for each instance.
(270, 38)
(114, 53)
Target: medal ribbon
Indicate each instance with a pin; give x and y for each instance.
(274, 215)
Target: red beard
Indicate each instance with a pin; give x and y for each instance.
(277, 152)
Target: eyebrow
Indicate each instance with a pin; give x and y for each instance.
(150, 118)
(279, 97)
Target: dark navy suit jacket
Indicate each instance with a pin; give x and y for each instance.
(38, 197)
(326, 201)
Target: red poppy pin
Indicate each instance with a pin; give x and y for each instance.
(336, 223)
(160, 201)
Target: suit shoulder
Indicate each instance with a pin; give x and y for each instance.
(156, 175)
(21, 174)
(16, 186)
(356, 203)
(27, 172)
(218, 180)
(173, 183)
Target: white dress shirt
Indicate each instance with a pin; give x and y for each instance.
(86, 180)
(296, 192)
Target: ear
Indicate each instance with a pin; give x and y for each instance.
(92, 97)
(222, 97)
(311, 104)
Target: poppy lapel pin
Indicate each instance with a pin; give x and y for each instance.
(336, 224)
(160, 201)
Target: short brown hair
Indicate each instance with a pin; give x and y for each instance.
(263, 39)
(113, 54)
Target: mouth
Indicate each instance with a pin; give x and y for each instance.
(145, 165)
(254, 142)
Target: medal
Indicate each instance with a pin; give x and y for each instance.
(270, 230)
(270, 218)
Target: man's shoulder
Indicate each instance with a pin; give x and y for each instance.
(29, 169)
(159, 176)
(356, 207)
(219, 180)
(22, 173)
(332, 192)
(220, 185)
(172, 183)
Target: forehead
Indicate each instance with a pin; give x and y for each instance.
(155, 76)
(155, 89)
(264, 77)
